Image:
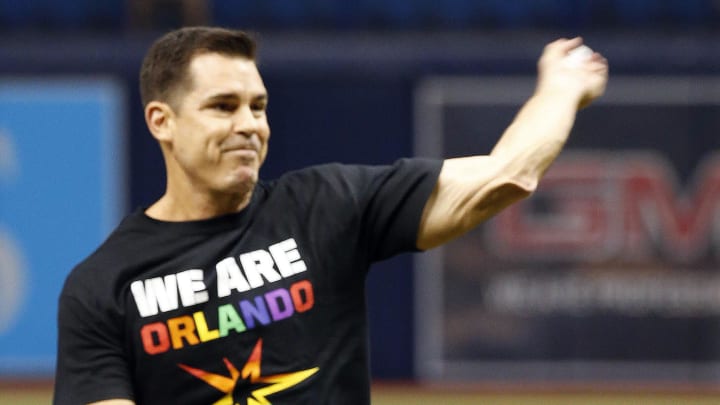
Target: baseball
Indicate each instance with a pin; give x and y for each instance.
(578, 55)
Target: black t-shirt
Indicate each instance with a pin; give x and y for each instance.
(267, 304)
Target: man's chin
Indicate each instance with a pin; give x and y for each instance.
(244, 180)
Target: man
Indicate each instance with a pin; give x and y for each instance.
(231, 290)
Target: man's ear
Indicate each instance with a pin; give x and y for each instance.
(159, 118)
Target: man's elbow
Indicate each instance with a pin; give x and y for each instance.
(500, 198)
(443, 223)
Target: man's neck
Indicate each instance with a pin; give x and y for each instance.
(197, 207)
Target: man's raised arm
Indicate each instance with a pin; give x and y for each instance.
(472, 189)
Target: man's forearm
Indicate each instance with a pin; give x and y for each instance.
(536, 136)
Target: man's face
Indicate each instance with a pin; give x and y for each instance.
(220, 129)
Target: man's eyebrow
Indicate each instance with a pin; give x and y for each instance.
(233, 96)
(222, 97)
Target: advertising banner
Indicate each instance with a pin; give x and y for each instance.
(610, 271)
(61, 192)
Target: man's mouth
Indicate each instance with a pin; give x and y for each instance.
(245, 146)
(241, 151)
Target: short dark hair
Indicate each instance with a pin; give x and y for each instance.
(165, 66)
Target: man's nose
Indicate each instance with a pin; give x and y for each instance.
(245, 121)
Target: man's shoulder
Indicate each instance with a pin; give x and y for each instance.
(107, 259)
(347, 180)
(325, 174)
(318, 170)
(341, 175)
(308, 183)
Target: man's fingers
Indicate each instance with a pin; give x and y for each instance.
(561, 47)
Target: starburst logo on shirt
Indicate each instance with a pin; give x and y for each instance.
(260, 386)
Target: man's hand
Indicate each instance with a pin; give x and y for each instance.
(586, 80)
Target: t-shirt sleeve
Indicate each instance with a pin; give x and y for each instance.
(393, 205)
(387, 201)
(91, 364)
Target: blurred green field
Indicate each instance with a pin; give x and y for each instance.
(24, 397)
(390, 394)
(428, 398)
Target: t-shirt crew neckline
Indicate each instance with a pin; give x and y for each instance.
(214, 224)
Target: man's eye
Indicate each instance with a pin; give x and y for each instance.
(259, 106)
(224, 107)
